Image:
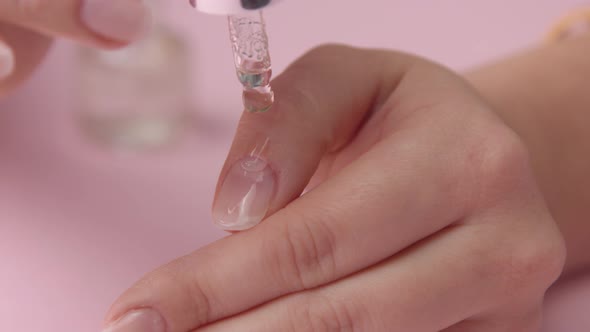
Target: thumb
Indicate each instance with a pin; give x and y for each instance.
(107, 23)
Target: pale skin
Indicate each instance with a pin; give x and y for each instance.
(438, 201)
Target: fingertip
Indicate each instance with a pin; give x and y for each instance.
(7, 60)
(123, 21)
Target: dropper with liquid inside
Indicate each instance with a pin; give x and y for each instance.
(252, 60)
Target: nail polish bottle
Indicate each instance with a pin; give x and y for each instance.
(137, 97)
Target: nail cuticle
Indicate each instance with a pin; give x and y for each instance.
(253, 164)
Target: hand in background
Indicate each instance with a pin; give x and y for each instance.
(28, 26)
(424, 213)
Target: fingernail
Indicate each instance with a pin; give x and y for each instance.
(122, 20)
(6, 61)
(245, 195)
(144, 320)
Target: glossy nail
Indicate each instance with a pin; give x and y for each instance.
(6, 61)
(144, 320)
(121, 20)
(245, 195)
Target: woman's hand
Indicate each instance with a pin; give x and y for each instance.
(424, 214)
(27, 28)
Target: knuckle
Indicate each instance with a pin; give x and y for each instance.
(194, 296)
(191, 292)
(531, 265)
(320, 313)
(201, 302)
(524, 262)
(504, 155)
(305, 255)
(501, 162)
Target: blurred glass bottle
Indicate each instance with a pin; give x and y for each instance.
(136, 98)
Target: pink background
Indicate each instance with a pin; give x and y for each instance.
(78, 225)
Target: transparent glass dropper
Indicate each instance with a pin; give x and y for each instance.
(252, 59)
(251, 54)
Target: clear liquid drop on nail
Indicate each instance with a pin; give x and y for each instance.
(253, 164)
(252, 60)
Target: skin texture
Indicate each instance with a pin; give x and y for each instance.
(542, 94)
(427, 197)
(423, 205)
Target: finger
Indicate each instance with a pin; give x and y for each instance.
(98, 22)
(306, 246)
(432, 286)
(356, 219)
(321, 101)
(26, 50)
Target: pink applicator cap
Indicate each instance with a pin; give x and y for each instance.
(231, 7)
